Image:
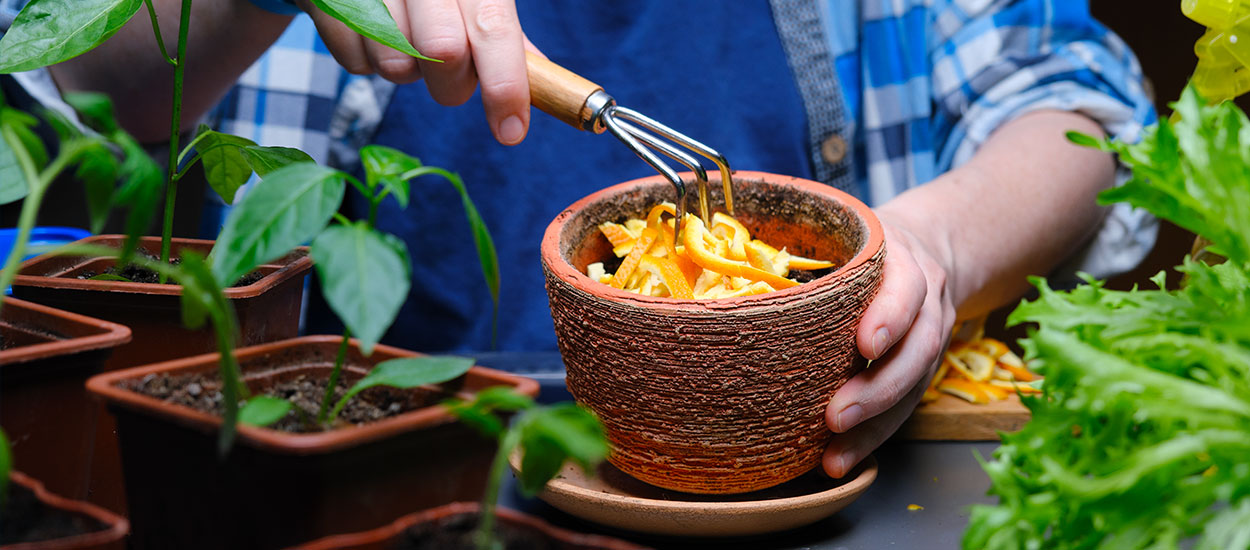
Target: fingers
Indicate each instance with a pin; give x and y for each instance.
(438, 31)
(897, 302)
(847, 450)
(345, 45)
(389, 63)
(499, 56)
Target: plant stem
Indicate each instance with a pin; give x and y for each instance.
(156, 28)
(334, 378)
(175, 127)
(485, 535)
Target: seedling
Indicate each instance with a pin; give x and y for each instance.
(47, 32)
(545, 437)
(6, 466)
(365, 274)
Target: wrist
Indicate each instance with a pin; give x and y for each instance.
(280, 7)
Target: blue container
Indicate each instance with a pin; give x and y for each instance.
(42, 239)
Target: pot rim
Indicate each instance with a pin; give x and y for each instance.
(385, 532)
(117, 527)
(560, 266)
(295, 263)
(105, 386)
(106, 334)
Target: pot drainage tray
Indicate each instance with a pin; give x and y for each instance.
(615, 499)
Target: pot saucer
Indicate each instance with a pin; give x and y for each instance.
(615, 499)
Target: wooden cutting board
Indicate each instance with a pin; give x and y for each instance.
(953, 419)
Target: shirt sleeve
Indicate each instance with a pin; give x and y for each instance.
(995, 60)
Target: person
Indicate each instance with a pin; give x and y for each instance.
(947, 116)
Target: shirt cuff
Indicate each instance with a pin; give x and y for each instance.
(280, 7)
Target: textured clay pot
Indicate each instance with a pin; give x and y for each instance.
(46, 356)
(716, 396)
(102, 529)
(275, 489)
(268, 310)
(409, 531)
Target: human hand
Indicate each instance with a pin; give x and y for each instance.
(904, 331)
(478, 41)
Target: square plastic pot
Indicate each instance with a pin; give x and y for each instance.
(46, 357)
(100, 528)
(276, 489)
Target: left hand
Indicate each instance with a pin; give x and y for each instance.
(904, 332)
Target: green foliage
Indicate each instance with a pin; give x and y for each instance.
(364, 278)
(225, 167)
(1140, 438)
(12, 179)
(546, 437)
(407, 372)
(264, 410)
(386, 166)
(47, 32)
(286, 209)
(372, 20)
(267, 159)
(6, 466)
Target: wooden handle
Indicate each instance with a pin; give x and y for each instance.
(559, 92)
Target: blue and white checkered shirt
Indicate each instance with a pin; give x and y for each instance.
(915, 87)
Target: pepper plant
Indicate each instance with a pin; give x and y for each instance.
(546, 436)
(47, 32)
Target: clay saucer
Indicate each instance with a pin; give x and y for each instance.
(615, 499)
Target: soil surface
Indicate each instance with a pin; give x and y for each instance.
(26, 519)
(203, 393)
(14, 336)
(456, 533)
(138, 274)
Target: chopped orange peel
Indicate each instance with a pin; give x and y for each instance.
(981, 371)
(701, 263)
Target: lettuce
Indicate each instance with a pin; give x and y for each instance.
(1142, 436)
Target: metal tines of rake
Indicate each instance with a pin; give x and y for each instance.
(584, 105)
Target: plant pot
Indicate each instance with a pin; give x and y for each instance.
(420, 530)
(716, 396)
(274, 488)
(268, 310)
(57, 523)
(46, 356)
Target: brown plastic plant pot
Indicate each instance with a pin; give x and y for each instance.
(726, 395)
(275, 489)
(413, 530)
(268, 309)
(45, 357)
(100, 528)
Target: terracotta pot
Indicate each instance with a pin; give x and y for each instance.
(101, 529)
(716, 396)
(408, 531)
(274, 488)
(268, 310)
(46, 357)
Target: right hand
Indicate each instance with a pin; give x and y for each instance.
(479, 41)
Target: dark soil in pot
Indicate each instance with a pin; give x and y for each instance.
(136, 274)
(23, 518)
(202, 392)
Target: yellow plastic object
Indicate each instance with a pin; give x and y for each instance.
(1224, 50)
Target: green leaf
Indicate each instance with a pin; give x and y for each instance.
(503, 398)
(284, 210)
(6, 466)
(98, 170)
(267, 159)
(96, 110)
(22, 125)
(109, 277)
(480, 419)
(13, 184)
(386, 166)
(541, 460)
(408, 372)
(263, 410)
(363, 278)
(47, 32)
(551, 435)
(64, 128)
(486, 255)
(372, 20)
(140, 191)
(225, 166)
(1084, 140)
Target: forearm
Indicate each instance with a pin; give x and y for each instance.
(1022, 204)
(226, 37)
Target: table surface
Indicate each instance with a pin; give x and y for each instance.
(942, 477)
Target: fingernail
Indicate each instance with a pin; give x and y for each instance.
(842, 466)
(849, 417)
(511, 131)
(880, 340)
